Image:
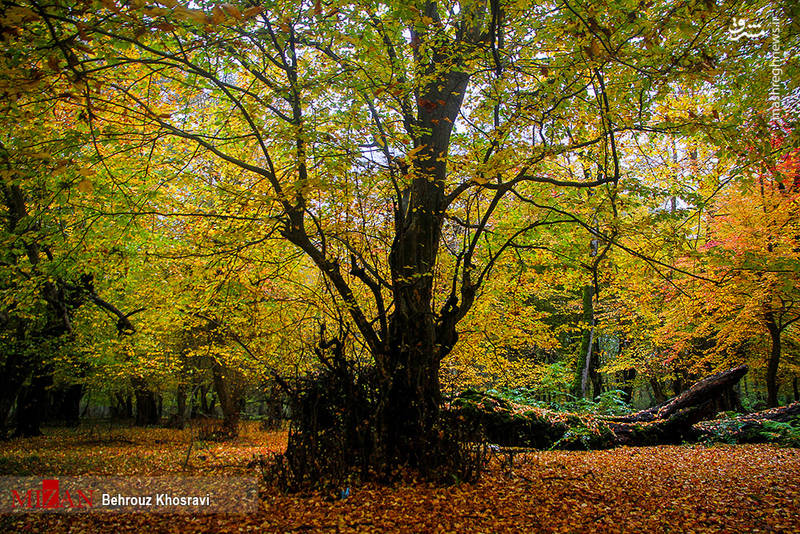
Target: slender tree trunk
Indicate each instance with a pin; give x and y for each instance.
(658, 391)
(774, 360)
(627, 378)
(146, 404)
(180, 400)
(795, 388)
(596, 377)
(123, 408)
(203, 393)
(587, 342)
(228, 391)
(677, 386)
(146, 408)
(66, 404)
(12, 377)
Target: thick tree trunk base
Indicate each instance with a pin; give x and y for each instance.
(505, 423)
(345, 427)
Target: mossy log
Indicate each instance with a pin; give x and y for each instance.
(509, 424)
(746, 428)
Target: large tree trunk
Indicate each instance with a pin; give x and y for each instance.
(416, 343)
(713, 394)
(412, 398)
(409, 344)
(122, 406)
(669, 422)
(658, 391)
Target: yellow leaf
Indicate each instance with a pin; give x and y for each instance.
(195, 15)
(85, 186)
(251, 12)
(217, 15)
(233, 11)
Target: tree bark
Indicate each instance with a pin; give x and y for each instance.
(228, 391)
(774, 360)
(12, 377)
(146, 405)
(626, 378)
(123, 407)
(65, 404)
(588, 341)
(202, 393)
(658, 391)
(180, 400)
(32, 403)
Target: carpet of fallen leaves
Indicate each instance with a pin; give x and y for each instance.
(724, 488)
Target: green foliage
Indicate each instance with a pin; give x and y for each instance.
(586, 435)
(783, 433)
(612, 402)
(723, 431)
(607, 403)
(732, 430)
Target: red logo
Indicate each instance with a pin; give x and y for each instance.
(50, 497)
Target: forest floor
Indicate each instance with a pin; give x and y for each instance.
(692, 488)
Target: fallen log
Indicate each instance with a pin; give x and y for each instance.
(713, 394)
(749, 428)
(672, 421)
(509, 424)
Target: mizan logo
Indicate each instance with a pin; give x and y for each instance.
(50, 497)
(743, 28)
